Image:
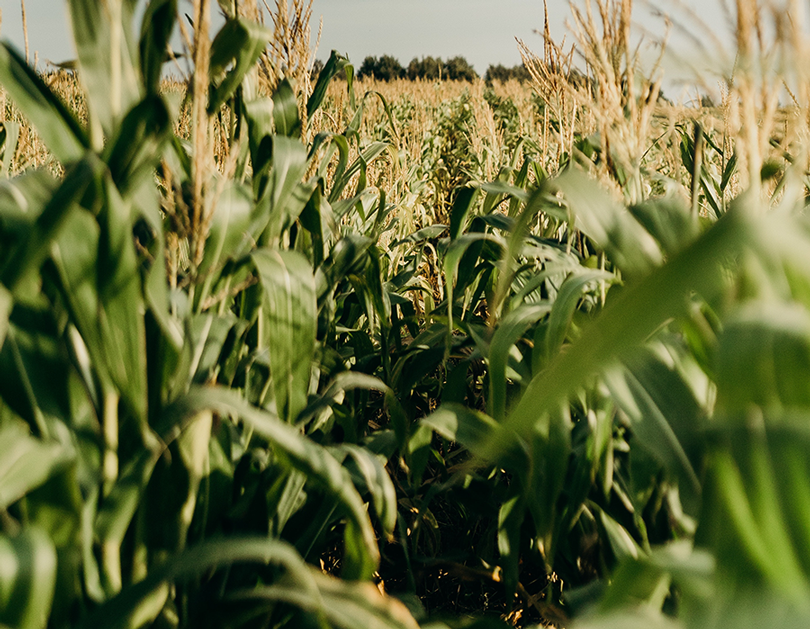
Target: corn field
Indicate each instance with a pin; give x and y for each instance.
(286, 350)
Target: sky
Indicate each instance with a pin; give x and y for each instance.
(483, 31)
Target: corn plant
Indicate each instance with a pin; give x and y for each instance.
(154, 410)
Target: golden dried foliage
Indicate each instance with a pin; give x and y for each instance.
(616, 96)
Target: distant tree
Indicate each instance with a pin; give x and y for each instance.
(367, 68)
(459, 69)
(385, 68)
(390, 68)
(426, 68)
(503, 73)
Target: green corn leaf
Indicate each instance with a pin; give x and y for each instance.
(101, 282)
(285, 111)
(334, 65)
(764, 358)
(133, 154)
(609, 224)
(156, 30)
(259, 119)
(193, 446)
(633, 316)
(27, 579)
(22, 200)
(622, 544)
(54, 123)
(788, 446)
(362, 553)
(547, 475)
(510, 329)
(368, 155)
(27, 462)
(334, 393)
(665, 416)
(431, 232)
(728, 171)
(669, 221)
(316, 218)
(510, 524)
(286, 500)
(347, 256)
(33, 251)
(33, 372)
(120, 320)
(340, 144)
(368, 468)
(227, 236)
(642, 619)
(463, 204)
(135, 605)
(74, 254)
(469, 427)
(342, 604)
(452, 259)
(107, 60)
(756, 542)
(237, 46)
(565, 305)
(291, 325)
(646, 581)
(286, 196)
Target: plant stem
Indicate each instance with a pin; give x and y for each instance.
(202, 46)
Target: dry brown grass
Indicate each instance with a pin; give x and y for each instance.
(612, 100)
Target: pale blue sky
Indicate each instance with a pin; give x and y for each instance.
(483, 31)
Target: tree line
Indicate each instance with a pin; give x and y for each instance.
(389, 68)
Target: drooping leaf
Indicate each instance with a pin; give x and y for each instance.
(334, 65)
(54, 123)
